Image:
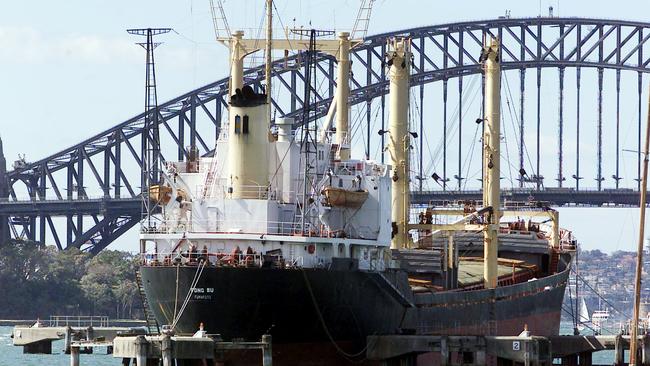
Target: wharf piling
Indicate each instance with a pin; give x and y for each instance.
(74, 356)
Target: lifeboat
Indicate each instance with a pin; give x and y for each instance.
(339, 197)
(160, 194)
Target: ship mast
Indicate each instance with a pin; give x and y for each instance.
(342, 93)
(491, 160)
(399, 60)
(639, 253)
(269, 48)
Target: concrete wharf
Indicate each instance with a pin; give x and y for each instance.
(39, 339)
(407, 350)
(133, 346)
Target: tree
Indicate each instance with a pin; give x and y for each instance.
(39, 281)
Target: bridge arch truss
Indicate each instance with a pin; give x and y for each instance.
(87, 195)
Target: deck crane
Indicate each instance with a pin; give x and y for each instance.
(360, 28)
(221, 28)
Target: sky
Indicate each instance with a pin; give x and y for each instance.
(69, 70)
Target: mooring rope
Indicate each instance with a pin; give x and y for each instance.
(348, 356)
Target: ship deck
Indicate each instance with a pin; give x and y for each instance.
(470, 270)
(470, 274)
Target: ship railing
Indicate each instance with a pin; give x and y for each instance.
(82, 321)
(208, 226)
(221, 189)
(357, 167)
(194, 257)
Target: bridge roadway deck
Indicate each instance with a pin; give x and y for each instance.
(132, 206)
(555, 197)
(96, 206)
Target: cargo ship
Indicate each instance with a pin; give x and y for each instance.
(283, 232)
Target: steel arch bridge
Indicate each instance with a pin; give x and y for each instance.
(91, 190)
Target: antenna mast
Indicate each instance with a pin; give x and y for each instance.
(150, 147)
(308, 144)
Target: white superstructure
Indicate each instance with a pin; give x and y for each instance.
(246, 202)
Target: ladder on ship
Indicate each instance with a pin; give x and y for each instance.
(152, 323)
(554, 261)
(209, 178)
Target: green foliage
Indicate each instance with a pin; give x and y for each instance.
(38, 281)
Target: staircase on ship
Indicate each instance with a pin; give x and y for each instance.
(152, 323)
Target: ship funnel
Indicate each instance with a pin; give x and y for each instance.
(491, 160)
(399, 60)
(248, 145)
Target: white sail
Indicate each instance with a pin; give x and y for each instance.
(583, 314)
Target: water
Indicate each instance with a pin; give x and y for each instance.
(10, 355)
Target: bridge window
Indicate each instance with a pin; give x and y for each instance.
(244, 129)
(237, 124)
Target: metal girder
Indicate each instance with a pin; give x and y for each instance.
(97, 167)
(609, 197)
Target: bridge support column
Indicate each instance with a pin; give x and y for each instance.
(560, 132)
(444, 134)
(617, 176)
(522, 89)
(599, 177)
(638, 158)
(538, 174)
(577, 175)
(4, 194)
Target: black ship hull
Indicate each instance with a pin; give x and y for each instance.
(321, 305)
(292, 305)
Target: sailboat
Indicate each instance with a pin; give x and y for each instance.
(583, 315)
